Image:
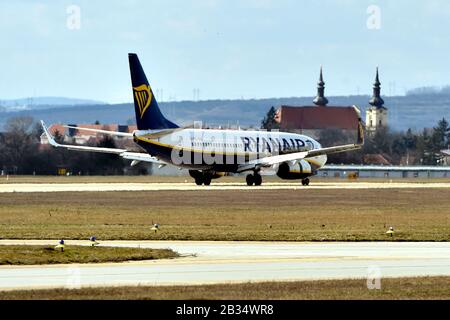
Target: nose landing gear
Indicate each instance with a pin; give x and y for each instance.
(305, 182)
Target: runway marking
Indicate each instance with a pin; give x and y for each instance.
(237, 262)
(103, 187)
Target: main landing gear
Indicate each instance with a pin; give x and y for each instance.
(254, 179)
(305, 182)
(206, 180)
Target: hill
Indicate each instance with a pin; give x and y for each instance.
(42, 103)
(414, 111)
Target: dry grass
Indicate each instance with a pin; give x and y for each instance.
(289, 215)
(91, 179)
(400, 288)
(33, 255)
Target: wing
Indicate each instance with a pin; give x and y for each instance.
(273, 160)
(135, 156)
(113, 133)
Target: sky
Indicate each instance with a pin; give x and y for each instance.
(226, 49)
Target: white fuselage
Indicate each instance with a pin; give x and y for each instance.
(226, 147)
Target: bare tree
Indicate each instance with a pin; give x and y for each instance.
(19, 144)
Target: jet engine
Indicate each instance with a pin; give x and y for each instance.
(294, 170)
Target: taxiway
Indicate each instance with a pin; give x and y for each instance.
(228, 262)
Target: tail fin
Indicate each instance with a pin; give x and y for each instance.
(148, 115)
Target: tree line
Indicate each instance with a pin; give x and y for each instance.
(412, 148)
(22, 153)
(397, 148)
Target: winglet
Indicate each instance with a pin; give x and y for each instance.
(50, 138)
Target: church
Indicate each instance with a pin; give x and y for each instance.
(377, 114)
(315, 119)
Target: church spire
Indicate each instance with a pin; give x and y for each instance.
(320, 100)
(376, 100)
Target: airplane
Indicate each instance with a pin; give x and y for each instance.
(210, 154)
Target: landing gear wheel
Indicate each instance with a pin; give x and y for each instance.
(305, 182)
(198, 181)
(258, 179)
(207, 181)
(250, 180)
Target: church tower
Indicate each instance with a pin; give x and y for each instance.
(377, 114)
(320, 100)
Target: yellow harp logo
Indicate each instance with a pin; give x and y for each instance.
(143, 96)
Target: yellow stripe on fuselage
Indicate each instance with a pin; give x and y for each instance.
(298, 171)
(150, 141)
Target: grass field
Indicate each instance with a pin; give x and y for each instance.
(33, 255)
(400, 288)
(290, 215)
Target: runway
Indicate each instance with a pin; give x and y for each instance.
(229, 262)
(98, 187)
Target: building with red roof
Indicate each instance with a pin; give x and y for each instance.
(313, 120)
